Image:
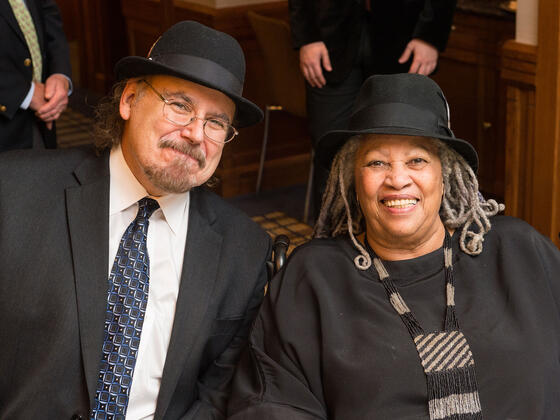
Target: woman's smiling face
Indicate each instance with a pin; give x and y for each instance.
(399, 186)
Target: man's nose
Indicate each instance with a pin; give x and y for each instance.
(194, 131)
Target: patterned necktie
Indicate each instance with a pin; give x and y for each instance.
(126, 306)
(23, 17)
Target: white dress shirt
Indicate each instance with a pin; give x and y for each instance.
(167, 233)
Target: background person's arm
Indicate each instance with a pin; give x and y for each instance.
(58, 68)
(313, 58)
(306, 36)
(430, 36)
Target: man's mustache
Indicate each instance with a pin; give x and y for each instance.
(186, 148)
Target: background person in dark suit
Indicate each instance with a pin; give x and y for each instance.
(343, 42)
(27, 99)
(70, 337)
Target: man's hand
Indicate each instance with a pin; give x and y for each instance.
(38, 98)
(56, 97)
(425, 57)
(312, 59)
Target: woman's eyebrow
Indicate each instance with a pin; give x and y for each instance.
(413, 151)
(421, 148)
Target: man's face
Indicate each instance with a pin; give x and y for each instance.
(164, 157)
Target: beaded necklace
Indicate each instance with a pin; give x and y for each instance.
(445, 355)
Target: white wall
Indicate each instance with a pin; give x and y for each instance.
(526, 24)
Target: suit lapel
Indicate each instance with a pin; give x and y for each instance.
(87, 212)
(8, 14)
(200, 266)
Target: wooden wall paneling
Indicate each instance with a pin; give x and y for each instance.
(70, 13)
(144, 24)
(519, 151)
(72, 23)
(168, 13)
(469, 76)
(114, 38)
(141, 36)
(102, 43)
(93, 73)
(145, 10)
(546, 182)
(488, 144)
(518, 71)
(532, 76)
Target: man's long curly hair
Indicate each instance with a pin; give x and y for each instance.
(462, 207)
(109, 125)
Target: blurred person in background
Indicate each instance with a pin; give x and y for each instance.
(35, 73)
(342, 43)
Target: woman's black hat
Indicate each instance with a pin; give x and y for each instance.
(406, 104)
(192, 51)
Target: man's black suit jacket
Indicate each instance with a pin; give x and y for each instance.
(15, 75)
(391, 23)
(54, 213)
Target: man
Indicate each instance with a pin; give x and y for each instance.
(342, 43)
(75, 344)
(34, 75)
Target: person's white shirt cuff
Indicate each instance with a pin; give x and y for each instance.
(27, 100)
(70, 87)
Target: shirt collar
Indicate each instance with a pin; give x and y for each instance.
(125, 191)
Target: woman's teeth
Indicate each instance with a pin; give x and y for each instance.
(400, 204)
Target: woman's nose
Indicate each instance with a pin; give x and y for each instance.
(398, 176)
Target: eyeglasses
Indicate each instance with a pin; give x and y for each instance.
(181, 113)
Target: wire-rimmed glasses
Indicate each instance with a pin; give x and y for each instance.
(181, 113)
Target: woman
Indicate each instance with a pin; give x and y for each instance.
(418, 302)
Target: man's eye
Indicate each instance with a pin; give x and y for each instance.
(180, 107)
(215, 124)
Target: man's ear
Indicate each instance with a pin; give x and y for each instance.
(127, 98)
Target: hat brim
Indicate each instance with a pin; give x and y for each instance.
(246, 112)
(329, 145)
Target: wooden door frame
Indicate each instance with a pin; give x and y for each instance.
(545, 200)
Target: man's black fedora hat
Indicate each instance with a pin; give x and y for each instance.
(192, 51)
(406, 104)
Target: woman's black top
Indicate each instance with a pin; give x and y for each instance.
(327, 344)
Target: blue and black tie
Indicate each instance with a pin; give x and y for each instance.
(126, 306)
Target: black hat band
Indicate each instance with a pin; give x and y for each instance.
(202, 69)
(397, 114)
